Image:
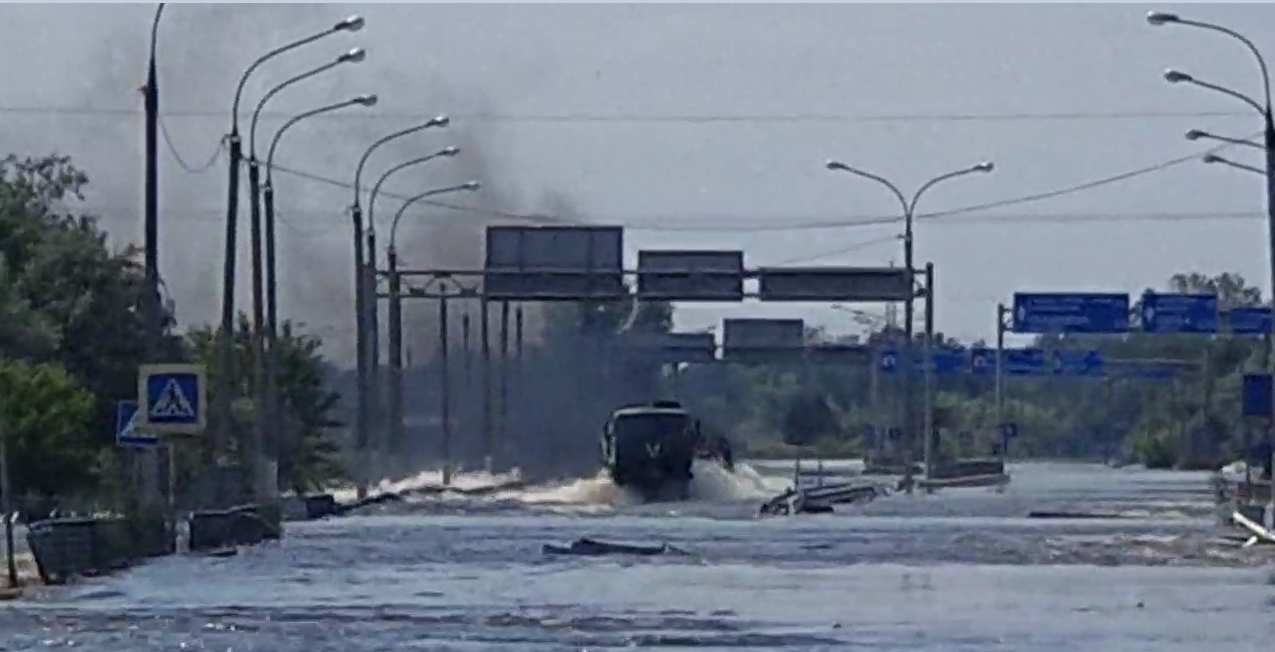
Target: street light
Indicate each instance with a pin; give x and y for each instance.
(1197, 134)
(226, 341)
(264, 306)
(1215, 159)
(365, 305)
(909, 216)
(396, 324)
(374, 375)
(1267, 111)
(271, 273)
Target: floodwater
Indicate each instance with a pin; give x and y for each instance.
(959, 571)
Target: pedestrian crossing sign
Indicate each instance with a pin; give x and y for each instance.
(172, 398)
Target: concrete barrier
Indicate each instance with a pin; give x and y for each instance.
(66, 548)
(245, 525)
(958, 469)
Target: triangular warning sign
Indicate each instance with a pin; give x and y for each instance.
(172, 403)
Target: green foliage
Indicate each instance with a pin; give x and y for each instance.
(308, 453)
(72, 336)
(46, 416)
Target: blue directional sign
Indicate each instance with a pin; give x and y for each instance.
(1079, 363)
(946, 362)
(1253, 320)
(172, 398)
(1180, 313)
(1093, 313)
(1256, 395)
(128, 427)
(1024, 362)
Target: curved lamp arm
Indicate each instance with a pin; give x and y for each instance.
(351, 24)
(376, 188)
(398, 215)
(984, 167)
(353, 56)
(1179, 77)
(440, 121)
(838, 166)
(361, 100)
(1215, 159)
(1160, 18)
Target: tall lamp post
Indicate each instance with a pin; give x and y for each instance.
(225, 388)
(264, 302)
(364, 284)
(272, 278)
(396, 328)
(909, 215)
(386, 445)
(1266, 110)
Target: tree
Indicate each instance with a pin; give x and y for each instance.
(308, 453)
(47, 417)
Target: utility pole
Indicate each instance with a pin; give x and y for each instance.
(396, 447)
(485, 333)
(445, 409)
(504, 377)
(928, 359)
(152, 307)
(1002, 313)
(7, 506)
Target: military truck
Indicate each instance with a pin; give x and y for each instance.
(650, 449)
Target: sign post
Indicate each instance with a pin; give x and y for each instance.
(172, 399)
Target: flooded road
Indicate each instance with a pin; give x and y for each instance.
(962, 570)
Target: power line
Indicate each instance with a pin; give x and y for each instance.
(181, 162)
(216, 214)
(682, 226)
(705, 118)
(1089, 185)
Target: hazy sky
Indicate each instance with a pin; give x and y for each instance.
(627, 113)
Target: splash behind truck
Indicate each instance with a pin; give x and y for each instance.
(651, 448)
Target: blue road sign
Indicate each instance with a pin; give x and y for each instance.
(1079, 363)
(949, 362)
(1024, 362)
(1093, 313)
(128, 427)
(1164, 314)
(1256, 395)
(946, 362)
(173, 398)
(1253, 320)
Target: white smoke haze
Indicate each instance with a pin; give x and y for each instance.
(203, 49)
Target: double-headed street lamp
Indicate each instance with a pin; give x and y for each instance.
(1266, 110)
(396, 331)
(226, 342)
(909, 217)
(364, 304)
